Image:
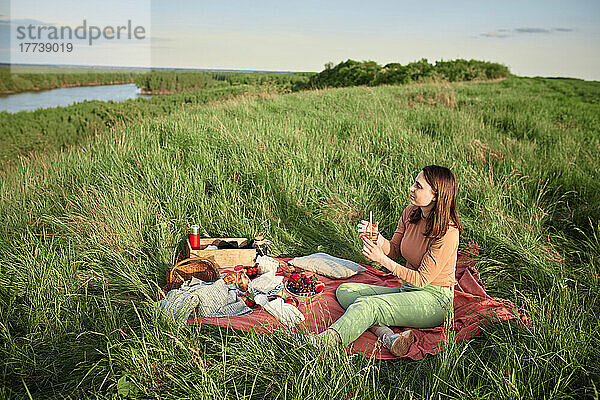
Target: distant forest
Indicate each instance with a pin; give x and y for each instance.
(352, 73)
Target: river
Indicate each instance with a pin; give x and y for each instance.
(29, 101)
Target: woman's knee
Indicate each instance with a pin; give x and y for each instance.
(363, 306)
(346, 295)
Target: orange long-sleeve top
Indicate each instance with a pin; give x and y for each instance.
(428, 261)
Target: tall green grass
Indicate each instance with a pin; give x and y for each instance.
(302, 169)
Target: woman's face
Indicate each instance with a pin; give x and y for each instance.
(421, 194)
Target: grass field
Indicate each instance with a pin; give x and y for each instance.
(302, 169)
(30, 134)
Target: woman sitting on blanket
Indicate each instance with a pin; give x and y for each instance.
(427, 237)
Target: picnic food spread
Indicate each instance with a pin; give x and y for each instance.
(224, 277)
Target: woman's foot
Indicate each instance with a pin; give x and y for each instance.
(380, 331)
(398, 343)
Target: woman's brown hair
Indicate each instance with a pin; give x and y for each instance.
(443, 184)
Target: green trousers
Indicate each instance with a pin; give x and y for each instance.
(408, 306)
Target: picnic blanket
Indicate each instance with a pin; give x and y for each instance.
(472, 308)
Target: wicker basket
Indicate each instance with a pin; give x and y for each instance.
(199, 267)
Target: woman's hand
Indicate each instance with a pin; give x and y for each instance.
(372, 251)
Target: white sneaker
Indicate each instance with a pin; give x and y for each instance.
(387, 340)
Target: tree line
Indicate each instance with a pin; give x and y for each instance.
(21, 82)
(180, 81)
(352, 73)
(346, 73)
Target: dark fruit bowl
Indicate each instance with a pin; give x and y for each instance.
(301, 295)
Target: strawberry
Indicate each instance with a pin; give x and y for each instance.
(292, 300)
(319, 287)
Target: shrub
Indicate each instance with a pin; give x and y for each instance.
(352, 73)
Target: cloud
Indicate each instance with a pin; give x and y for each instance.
(503, 33)
(493, 35)
(531, 30)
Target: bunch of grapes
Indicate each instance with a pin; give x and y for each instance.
(302, 284)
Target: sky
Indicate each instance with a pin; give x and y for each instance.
(533, 38)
